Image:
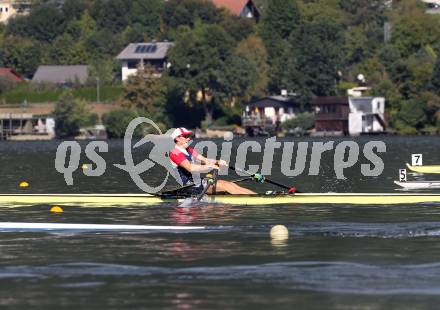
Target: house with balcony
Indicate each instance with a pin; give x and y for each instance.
(367, 115)
(136, 55)
(264, 116)
(352, 116)
(331, 115)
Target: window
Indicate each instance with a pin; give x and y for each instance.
(6, 9)
(1, 10)
(132, 64)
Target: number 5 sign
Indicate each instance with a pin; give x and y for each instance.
(402, 175)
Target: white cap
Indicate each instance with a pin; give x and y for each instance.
(181, 131)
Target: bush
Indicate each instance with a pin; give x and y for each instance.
(5, 84)
(71, 114)
(46, 92)
(301, 123)
(116, 122)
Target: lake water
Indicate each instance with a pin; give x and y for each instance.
(336, 257)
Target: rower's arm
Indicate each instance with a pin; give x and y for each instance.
(208, 161)
(197, 168)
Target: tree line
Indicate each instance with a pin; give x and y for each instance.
(220, 61)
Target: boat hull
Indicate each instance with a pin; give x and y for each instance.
(413, 185)
(424, 169)
(115, 200)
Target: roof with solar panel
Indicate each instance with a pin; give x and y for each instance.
(154, 50)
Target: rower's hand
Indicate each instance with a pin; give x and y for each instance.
(213, 166)
(221, 163)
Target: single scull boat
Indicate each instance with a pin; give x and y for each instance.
(424, 169)
(108, 200)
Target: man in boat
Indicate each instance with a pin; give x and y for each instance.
(184, 158)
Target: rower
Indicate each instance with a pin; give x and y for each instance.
(183, 159)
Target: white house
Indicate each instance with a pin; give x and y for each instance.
(11, 8)
(367, 115)
(142, 54)
(6, 10)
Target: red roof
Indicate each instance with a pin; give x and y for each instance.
(235, 6)
(10, 74)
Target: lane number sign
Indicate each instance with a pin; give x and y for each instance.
(402, 175)
(416, 159)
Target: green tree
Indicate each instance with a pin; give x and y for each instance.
(44, 23)
(102, 69)
(60, 55)
(187, 12)
(252, 48)
(435, 79)
(237, 27)
(116, 122)
(110, 15)
(317, 51)
(411, 117)
(87, 25)
(413, 28)
(146, 14)
(145, 92)
(280, 19)
(71, 114)
(73, 9)
(204, 64)
(22, 54)
(102, 43)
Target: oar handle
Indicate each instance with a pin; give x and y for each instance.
(289, 189)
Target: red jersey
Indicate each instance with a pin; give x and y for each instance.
(177, 155)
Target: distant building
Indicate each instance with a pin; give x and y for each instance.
(349, 115)
(135, 55)
(265, 115)
(242, 8)
(432, 6)
(11, 8)
(331, 115)
(62, 75)
(11, 75)
(6, 10)
(367, 115)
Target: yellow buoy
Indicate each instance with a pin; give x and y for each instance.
(23, 184)
(84, 166)
(56, 209)
(279, 232)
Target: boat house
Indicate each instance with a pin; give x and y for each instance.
(331, 115)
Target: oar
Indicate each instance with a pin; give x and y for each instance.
(211, 182)
(263, 179)
(190, 201)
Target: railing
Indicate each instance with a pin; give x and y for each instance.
(254, 121)
(331, 116)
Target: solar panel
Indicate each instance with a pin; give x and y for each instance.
(150, 48)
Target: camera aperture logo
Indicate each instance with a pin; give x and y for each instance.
(346, 155)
